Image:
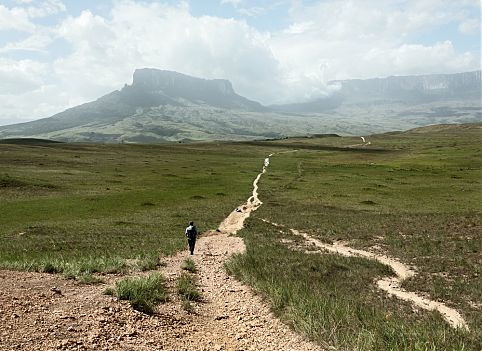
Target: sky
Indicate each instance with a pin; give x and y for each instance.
(57, 54)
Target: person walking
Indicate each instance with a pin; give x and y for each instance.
(191, 233)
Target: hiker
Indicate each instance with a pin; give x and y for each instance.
(191, 233)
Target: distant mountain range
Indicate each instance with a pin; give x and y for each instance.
(162, 106)
(396, 89)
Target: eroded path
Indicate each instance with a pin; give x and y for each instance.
(47, 312)
(391, 285)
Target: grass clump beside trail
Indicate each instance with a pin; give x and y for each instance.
(188, 290)
(73, 268)
(70, 208)
(148, 262)
(143, 293)
(189, 265)
(416, 198)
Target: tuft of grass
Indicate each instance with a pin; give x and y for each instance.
(89, 279)
(8, 182)
(148, 262)
(189, 265)
(187, 289)
(143, 293)
(109, 291)
(70, 268)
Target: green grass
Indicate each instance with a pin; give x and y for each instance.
(416, 195)
(189, 265)
(187, 289)
(89, 279)
(76, 207)
(81, 209)
(143, 293)
(148, 263)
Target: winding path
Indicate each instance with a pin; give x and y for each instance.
(64, 315)
(391, 285)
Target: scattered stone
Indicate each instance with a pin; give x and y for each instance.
(56, 290)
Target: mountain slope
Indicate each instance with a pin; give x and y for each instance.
(396, 89)
(151, 88)
(165, 106)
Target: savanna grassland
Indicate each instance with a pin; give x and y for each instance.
(83, 208)
(78, 209)
(414, 195)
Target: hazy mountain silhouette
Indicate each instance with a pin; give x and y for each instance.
(396, 89)
(164, 106)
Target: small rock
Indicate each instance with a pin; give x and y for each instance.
(56, 290)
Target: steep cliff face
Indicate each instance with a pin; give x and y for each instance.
(174, 83)
(153, 87)
(395, 89)
(414, 88)
(164, 106)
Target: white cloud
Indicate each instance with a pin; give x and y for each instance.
(15, 19)
(470, 26)
(44, 8)
(351, 39)
(234, 3)
(106, 52)
(19, 77)
(324, 41)
(19, 18)
(38, 41)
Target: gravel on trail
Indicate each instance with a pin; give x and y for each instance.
(47, 312)
(40, 311)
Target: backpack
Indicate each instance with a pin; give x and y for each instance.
(191, 232)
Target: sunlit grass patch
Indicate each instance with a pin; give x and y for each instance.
(143, 293)
(148, 262)
(189, 265)
(187, 288)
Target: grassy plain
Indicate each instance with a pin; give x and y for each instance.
(414, 195)
(79, 209)
(84, 208)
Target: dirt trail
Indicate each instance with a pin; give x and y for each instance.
(391, 285)
(47, 312)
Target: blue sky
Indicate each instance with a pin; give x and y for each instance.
(55, 54)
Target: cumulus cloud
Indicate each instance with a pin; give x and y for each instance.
(333, 40)
(470, 26)
(19, 77)
(106, 52)
(15, 19)
(323, 41)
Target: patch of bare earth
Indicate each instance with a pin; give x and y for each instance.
(46, 312)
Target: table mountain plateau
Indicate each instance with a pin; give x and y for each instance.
(166, 106)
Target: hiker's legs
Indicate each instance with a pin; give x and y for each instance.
(191, 242)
